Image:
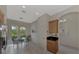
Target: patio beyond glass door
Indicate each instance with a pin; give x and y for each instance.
(22, 33)
(18, 34)
(14, 33)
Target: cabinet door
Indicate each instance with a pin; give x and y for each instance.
(52, 46)
(53, 26)
(1, 17)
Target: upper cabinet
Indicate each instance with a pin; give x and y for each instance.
(53, 26)
(1, 17)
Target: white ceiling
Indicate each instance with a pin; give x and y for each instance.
(30, 13)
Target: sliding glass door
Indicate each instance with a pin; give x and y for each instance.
(18, 33)
(22, 33)
(14, 32)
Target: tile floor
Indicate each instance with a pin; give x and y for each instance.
(30, 48)
(67, 50)
(24, 48)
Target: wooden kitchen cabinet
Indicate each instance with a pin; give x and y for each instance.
(1, 23)
(53, 26)
(52, 46)
(52, 41)
(1, 17)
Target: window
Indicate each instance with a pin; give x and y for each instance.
(22, 32)
(14, 31)
(18, 32)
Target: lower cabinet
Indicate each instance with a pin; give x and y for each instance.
(52, 46)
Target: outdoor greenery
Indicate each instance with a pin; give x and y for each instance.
(14, 33)
(18, 32)
(22, 33)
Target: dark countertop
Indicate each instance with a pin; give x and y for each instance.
(52, 38)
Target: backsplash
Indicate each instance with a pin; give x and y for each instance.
(53, 34)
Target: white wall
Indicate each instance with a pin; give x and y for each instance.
(71, 30)
(70, 34)
(35, 33)
(41, 28)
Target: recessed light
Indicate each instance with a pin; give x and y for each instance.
(23, 6)
(37, 13)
